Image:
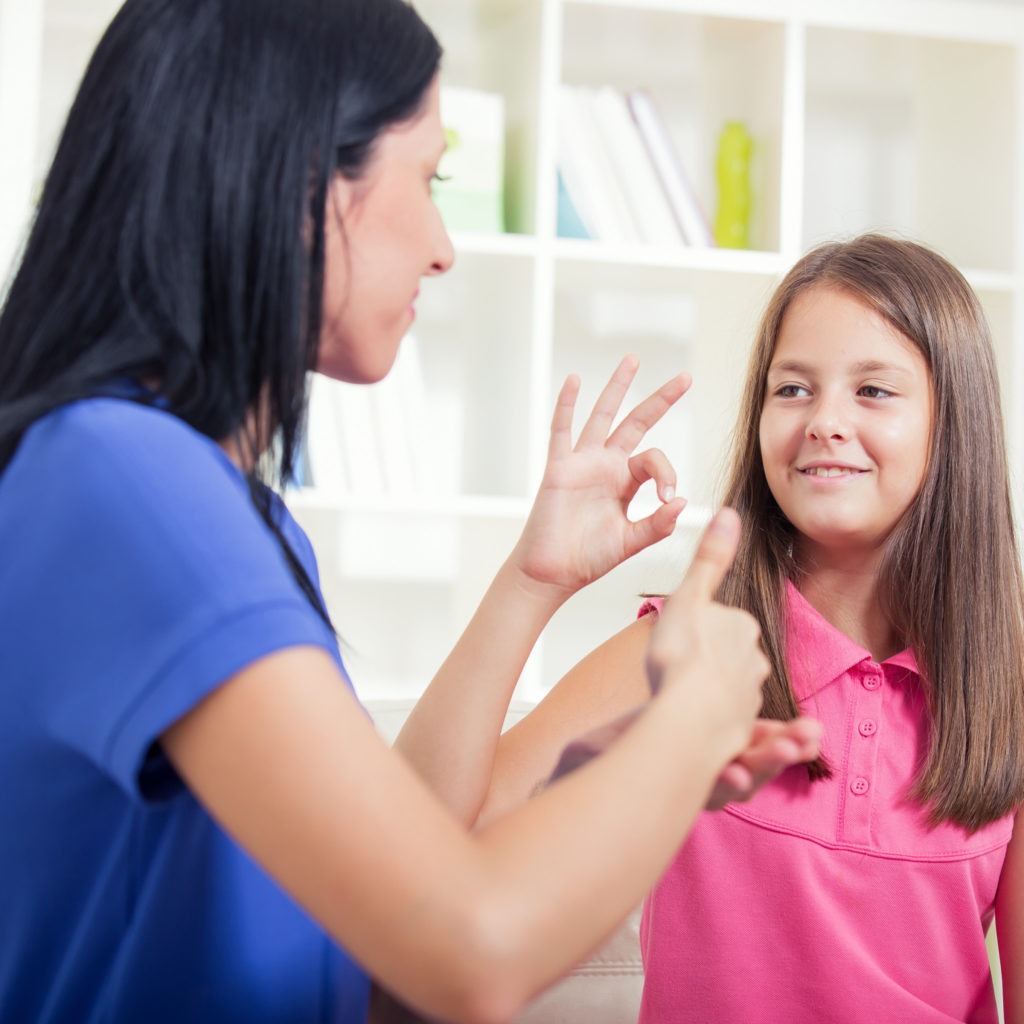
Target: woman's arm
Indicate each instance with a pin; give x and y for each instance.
(1010, 926)
(577, 530)
(468, 927)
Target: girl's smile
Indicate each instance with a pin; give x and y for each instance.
(846, 423)
(829, 471)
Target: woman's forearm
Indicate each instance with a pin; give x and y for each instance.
(451, 736)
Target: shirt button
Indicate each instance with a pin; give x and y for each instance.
(868, 727)
(859, 786)
(871, 682)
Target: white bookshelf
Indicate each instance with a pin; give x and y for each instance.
(899, 115)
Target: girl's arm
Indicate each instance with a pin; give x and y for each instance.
(1010, 925)
(469, 927)
(596, 701)
(577, 531)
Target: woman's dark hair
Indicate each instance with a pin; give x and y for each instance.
(967, 638)
(179, 237)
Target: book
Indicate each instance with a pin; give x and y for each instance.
(398, 417)
(685, 206)
(595, 150)
(589, 180)
(369, 440)
(323, 448)
(471, 195)
(570, 224)
(632, 166)
(359, 442)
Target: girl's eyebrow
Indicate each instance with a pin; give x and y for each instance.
(866, 366)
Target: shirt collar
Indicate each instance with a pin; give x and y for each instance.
(831, 652)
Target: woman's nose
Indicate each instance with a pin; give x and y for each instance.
(444, 251)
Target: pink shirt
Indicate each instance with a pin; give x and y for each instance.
(833, 901)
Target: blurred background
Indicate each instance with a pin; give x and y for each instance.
(627, 175)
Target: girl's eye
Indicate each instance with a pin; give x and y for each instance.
(791, 391)
(435, 177)
(874, 391)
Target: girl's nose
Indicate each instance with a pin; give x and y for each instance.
(826, 422)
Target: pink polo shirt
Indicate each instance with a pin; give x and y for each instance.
(831, 902)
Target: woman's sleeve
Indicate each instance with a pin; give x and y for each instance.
(145, 579)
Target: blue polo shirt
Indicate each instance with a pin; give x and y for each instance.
(135, 577)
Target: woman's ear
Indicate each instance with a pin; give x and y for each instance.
(344, 196)
(340, 199)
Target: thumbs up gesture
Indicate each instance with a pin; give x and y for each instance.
(710, 650)
(710, 656)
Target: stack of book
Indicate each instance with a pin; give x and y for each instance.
(380, 440)
(620, 178)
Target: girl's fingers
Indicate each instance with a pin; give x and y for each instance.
(630, 432)
(774, 746)
(737, 777)
(599, 423)
(653, 465)
(560, 442)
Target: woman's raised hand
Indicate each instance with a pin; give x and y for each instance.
(578, 528)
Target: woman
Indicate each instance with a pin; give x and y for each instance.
(197, 816)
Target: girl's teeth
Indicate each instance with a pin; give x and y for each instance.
(828, 471)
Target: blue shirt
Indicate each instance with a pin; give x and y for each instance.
(135, 577)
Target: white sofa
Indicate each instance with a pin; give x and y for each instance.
(604, 989)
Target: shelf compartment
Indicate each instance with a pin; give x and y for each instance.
(494, 45)
(702, 71)
(896, 141)
(474, 328)
(404, 574)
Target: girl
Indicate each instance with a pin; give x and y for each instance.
(196, 815)
(879, 559)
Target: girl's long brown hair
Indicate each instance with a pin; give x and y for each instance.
(950, 578)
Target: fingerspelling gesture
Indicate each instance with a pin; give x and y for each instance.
(577, 531)
(578, 528)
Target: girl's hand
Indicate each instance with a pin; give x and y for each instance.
(773, 747)
(578, 528)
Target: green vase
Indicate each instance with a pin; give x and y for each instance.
(732, 221)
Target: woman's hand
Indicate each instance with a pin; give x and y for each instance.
(576, 532)
(707, 652)
(578, 528)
